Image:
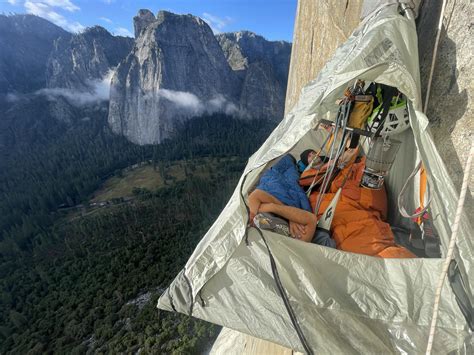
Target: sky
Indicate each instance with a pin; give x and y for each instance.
(273, 19)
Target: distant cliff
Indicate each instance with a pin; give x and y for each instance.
(178, 69)
(263, 66)
(77, 60)
(26, 42)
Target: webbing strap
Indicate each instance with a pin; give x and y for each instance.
(423, 183)
(401, 195)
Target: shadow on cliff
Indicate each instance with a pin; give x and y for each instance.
(447, 103)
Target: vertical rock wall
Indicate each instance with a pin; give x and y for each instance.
(450, 107)
(320, 27)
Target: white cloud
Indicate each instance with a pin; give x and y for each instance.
(106, 19)
(62, 4)
(108, 2)
(12, 97)
(182, 99)
(45, 9)
(122, 31)
(99, 91)
(191, 104)
(217, 24)
(12, 2)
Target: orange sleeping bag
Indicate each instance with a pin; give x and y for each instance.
(359, 223)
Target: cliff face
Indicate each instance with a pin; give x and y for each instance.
(25, 44)
(176, 70)
(85, 57)
(179, 69)
(320, 27)
(263, 66)
(450, 108)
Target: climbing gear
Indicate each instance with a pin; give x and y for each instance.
(391, 115)
(379, 160)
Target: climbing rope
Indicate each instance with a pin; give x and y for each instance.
(452, 244)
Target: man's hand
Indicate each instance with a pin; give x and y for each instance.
(297, 230)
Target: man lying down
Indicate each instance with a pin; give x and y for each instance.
(359, 223)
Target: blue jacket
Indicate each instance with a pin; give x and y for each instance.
(281, 181)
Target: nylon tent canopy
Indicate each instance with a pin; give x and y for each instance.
(335, 301)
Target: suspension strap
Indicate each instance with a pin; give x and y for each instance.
(421, 211)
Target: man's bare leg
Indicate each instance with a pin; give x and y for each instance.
(293, 214)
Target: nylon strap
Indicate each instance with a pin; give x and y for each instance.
(423, 183)
(401, 196)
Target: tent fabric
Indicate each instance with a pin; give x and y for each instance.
(343, 302)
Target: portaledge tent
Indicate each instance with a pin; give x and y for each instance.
(341, 302)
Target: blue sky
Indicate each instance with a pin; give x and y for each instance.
(272, 19)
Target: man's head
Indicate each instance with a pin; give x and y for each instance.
(307, 156)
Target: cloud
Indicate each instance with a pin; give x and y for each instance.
(122, 31)
(191, 104)
(99, 91)
(45, 9)
(217, 24)
(105, 19)
(108, 2)
(184, 100)
(12, 2)
(62, 4)
(12, 97)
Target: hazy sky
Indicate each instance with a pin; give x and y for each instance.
(273, 19)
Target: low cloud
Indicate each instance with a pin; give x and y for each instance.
(48, 10)
(10, 97)
(99, 91)
(217, 24)
(191, 104)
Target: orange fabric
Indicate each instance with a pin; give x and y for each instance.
(307, 177)
(358, 225)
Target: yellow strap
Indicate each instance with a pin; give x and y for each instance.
(423, 182)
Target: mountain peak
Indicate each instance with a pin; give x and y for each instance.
(142, 20)
(97, 31)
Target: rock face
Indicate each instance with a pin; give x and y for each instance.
(263, 67)
(175, 71)
(320, 27)
(77, 72)
(450, 108)
(25, 44)
(179, 69)
(142, 20)
(77, 61)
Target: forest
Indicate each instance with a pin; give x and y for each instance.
(76, 285)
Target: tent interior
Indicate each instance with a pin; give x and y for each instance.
(406, 160)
